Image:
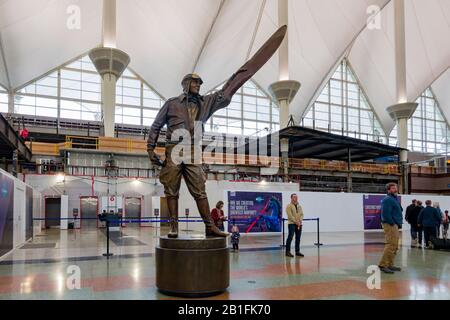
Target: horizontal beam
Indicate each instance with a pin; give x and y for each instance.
(11, 138)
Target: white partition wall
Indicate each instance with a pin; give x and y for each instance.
(218, 191)
(343, 212)
(64, 212)
(19, 213)
(338, 212)
(16, 212)
(156, 205)
(38, 212)
(147, 211)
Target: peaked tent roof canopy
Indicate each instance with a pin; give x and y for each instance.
(168, 39)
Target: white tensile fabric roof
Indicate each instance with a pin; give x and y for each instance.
(168, 39)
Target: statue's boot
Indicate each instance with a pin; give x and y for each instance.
(211, 229)
(172, 205)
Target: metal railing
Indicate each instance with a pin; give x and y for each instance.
(139, 147)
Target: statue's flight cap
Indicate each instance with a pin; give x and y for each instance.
(191, 77)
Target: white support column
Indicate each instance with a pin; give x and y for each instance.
(402, 127)
(400, 73)
(110, 64)
(10, 102)
(284, 113)
(284, 148)
(283, 51)
(284, 90)
(109, 35)
(400, 51)
(403, 110)
(109, 103)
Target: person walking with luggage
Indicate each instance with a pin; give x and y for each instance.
(392, 220)
(295, 220)
(429, 217)
(445, 224)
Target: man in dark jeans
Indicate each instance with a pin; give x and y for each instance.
(295, 223)
(429, 218)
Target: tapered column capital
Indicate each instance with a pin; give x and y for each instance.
(109, 61)
(284, 90)
(402, 110)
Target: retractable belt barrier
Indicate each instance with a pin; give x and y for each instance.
(121, 221)
(318, 243)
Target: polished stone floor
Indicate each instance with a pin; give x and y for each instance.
(338, 270)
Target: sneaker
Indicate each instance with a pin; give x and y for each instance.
(393, 268)
(386, 270)
(299, 254)
(288, 254)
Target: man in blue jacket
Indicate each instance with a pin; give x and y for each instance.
(429, 218)
(392, 220)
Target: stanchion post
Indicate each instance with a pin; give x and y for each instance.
(156, 213)
(283, 245)
(75, 216)
(107, 254)
(121, 225)
(318, 234)
(187, 220)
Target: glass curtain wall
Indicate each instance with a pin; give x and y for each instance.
(343, 108)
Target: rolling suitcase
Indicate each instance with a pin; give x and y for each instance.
(440, 244)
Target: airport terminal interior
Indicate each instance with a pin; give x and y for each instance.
(349, 101)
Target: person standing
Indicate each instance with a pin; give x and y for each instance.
(218, 216)
(410, 208)
(438, 226)
(235, 236)
(445, 224)
(429, 217)
(392, 220)
(411, 218)
(416, 230)
(295, 225)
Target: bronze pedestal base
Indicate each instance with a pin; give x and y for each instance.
(192, 266)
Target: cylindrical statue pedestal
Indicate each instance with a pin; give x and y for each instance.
(192, 266)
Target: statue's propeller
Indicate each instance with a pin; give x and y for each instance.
(259, 59)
